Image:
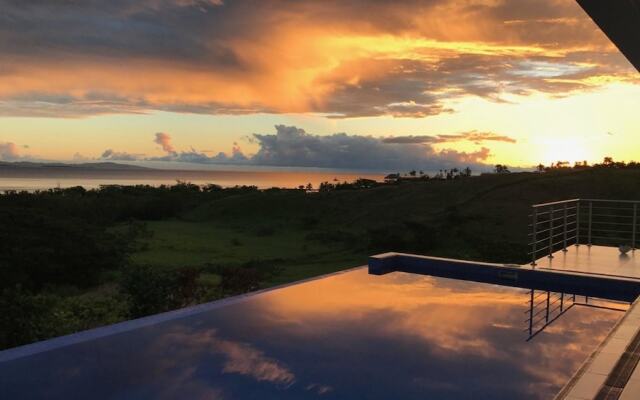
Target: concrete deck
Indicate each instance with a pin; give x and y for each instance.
(611, 371)
(599, 260)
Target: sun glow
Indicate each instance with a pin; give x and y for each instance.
(569, 150)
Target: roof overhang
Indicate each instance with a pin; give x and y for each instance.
(620, 21)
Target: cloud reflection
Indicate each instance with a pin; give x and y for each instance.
(348, 336)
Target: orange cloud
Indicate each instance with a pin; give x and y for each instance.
(405, 59)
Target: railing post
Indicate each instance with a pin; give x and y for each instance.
(535, 236)
(578, 223)
(551, 233)
(635, 222)
(564, 235)
(590, 222)
(531, 312)
(546, 317)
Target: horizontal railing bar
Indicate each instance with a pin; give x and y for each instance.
(553, 217)
(601, 307)
(539, 213)
(549, 229)
(539, 294)
(546, 223)
(546, 248)
(572, 217)
(542, 320)
(563, 232)
(542, 231)
(610, 201)
(611, 216)
(558, 209)
(608, 230)
(537, 312)
(560, 218)
(560, 224)
(540, 302)
(613, 223)
(556, 202)
(572, 230)
(553, 245)
(553, 309)
(608, 208)
(609, 238)
(538, 251)
(629, 231)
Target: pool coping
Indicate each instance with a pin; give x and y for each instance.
(590, 379)
(516, 275)
(129, 325)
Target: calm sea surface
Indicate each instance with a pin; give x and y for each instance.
(46, 178)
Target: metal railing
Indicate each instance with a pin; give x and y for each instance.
(545, 307)
(558, 225)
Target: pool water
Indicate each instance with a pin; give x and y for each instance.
(346, 336)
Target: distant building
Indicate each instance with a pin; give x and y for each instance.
(392, 178)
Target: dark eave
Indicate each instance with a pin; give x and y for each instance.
(620, 21)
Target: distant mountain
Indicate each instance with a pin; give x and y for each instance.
(102, 166)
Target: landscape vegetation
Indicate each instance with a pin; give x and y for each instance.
(77, 259)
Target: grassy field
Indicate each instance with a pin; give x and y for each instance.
(184, 243)
(483, 218)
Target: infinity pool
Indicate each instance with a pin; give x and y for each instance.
(346, 336)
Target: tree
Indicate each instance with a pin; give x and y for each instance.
(501, 169)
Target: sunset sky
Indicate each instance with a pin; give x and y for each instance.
(360, 84)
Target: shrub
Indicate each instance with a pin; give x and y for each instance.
(150, 291)
(25, 317)
(246, 277)
(42, 250)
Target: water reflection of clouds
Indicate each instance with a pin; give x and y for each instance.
(448, 320)
(239, 358)
(348, 336)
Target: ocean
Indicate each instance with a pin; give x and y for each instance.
(31, 179)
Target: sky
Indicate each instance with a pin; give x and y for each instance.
(360, 84)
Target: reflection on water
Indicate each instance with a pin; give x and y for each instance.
(40, 179)
(350, 336)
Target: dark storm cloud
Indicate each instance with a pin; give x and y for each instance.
(113, 155)
(474, 136)
(77, 58)
(290, 146)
